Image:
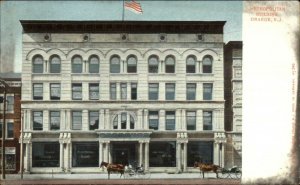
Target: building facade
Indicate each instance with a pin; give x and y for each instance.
(233, 105)
(141, 93)
(12, 121)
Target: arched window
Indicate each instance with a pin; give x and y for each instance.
(191, 64)
(131, 64)
(123, 120)
(170, 64)
(207, 64)
(55, 64)
(153, 64)
(38, 64)
(77, 64)
(115, 64)
(93, 64)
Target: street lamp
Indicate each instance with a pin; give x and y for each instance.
(5, 85)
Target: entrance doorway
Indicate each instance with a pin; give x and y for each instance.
(124, 152)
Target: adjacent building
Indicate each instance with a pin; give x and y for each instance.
(12, 121)
(233, 104)
(145, 93)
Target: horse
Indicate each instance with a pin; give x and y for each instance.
(113, 168)
(207, 168)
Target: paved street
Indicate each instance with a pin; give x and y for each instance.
(155, 179)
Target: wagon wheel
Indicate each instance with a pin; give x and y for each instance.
(238, 173)
(224, 173)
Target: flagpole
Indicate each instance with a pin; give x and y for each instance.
(123, 12)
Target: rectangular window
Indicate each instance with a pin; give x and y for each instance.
(133, 91)
(76, 120)
(207, 120)
(191, 120)
(191, 91)
(123, 120)
(77, 91)
(54, 91)
(85, 154)
(37, 91)
(170, 120)
(9, 130)
(37, 117)
(207, 91)
(113, 91)
(45, 154)
(153, 120)
(153, 91)
(170, 91)
(94, 91)
(94, 65)
(38, 65)
(54, 120)
(10, 103)
(123, 91)
(93, 120)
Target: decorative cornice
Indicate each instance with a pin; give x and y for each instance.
(35, 26)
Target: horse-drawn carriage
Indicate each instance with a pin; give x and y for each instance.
(234, 172)
(128, 171)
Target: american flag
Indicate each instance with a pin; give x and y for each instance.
(133, 6)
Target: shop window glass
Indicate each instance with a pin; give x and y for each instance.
(45, 154)
(162, 154)
(85, 154)
(199, 151)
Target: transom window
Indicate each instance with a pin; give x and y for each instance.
(38, 64)
(55, 64)
(207, 64)
(93, 64)
(77, 64)
(115, 64)
(131, 64)
(191, 64)
(123, 120)
(170, 64)
(153, 64)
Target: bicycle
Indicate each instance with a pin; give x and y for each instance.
(234, 173)
(136, 172)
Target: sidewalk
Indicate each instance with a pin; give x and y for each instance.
(89, 176)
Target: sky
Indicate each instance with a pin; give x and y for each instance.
(13, 11)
